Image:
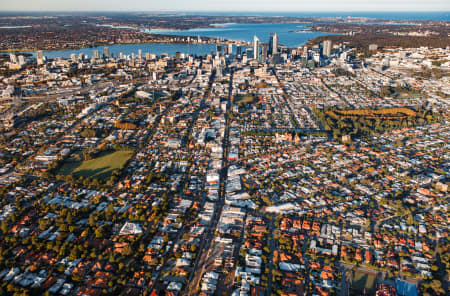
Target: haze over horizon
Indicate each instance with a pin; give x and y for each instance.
(229, 6)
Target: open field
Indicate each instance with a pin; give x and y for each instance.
(362, 280)
(100, 167)
(245, 99)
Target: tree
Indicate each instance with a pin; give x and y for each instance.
(4, 227)
(99, 233)
(127, 250)
(436, 286)
(91, 220)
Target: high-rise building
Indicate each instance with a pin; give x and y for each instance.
(218, 49)
(230, 48)
(238, 50)
(21, 60)
(256, 43)
(244, 59)
(106, 52)
(263, 56)
(326, 49)
(140, 54)
(273, 44)
(40, 57)
(305, 52)
(249, 53)
(96, 55)
(13, 58)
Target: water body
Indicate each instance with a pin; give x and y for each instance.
(14, 27)
(245, 32)
(242, 32)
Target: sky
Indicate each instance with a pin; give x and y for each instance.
(225, 5)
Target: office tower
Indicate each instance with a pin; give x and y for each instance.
(255, 47)
(244, 59)
(106, 52)
(218, 49)
(230, 48)
(40, 57)
(250, 54)
(21, 60)
(238, 50)
(305, 52)
(263, 56)
(140, 54)
(273, 44)
(13, 58)
(96, 55)
(326, 49)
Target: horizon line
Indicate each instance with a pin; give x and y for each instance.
(232, 11)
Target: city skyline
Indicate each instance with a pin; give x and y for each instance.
(229, 6)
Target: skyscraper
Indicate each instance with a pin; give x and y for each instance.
(326, 49)
(21, 60)
(13, 58)
(263, 56)
(218, 49)
(255, 47)
(273, 44)
(40, 57)
(238, 50)
(106, 52)
(96, 55)
(140, 54)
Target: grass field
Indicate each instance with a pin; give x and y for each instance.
(100, 167)
(245, 99)
(362, 280)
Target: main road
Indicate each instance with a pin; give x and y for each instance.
(203, 254)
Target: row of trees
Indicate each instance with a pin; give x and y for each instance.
(364, 126)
